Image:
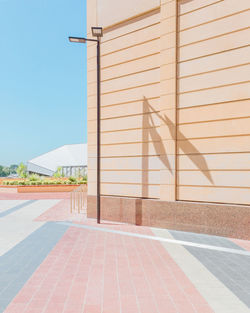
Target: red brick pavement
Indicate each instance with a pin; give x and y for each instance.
(96, 272)
(33, 196)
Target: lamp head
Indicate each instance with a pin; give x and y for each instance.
(77, 39)
(97, 31)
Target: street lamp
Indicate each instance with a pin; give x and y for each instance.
(98, 33)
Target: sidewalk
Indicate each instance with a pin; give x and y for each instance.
(69, 264)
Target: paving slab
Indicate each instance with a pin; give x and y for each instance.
(55, 261)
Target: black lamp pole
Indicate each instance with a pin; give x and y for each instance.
(96, 32)
(98, 133)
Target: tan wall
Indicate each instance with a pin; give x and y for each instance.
(111, 12)
(177, 72)
(213, 101)
(130, 87)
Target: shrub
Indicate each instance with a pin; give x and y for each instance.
(22, 170)
(58, 173)
(14, 182)
(82, 182)
(72, 179)
(34, 177)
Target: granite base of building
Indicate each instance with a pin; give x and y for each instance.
(216, 219)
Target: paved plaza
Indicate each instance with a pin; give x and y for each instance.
(52, 261)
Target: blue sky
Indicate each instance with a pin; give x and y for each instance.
(42, 77)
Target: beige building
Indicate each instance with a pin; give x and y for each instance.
(175, 113)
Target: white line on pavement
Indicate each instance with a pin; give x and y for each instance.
(179, 242)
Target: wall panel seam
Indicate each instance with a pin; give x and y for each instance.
(129, 88)
(127, 75)
(215, 120)
(214, 87)
(214, 20)
(130, 32)
(215, 53)
(126, 48)
(213, 37)
(211, 137)
(212, 104)
(129, 115)
(126, 143)
(215, 153)
(215, 186)
(215, 70)
(200, 8)
(120, 103)
(125, 129)
(130, 20)
(128, 61)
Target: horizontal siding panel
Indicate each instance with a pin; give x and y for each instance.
(213, 112)
(133, 149)
(130, 81)
(189, 6)
(125, 109)
(215, 178)
(135, 24)
(122, 56)
(130, 136)
(127, 82)
(148, 191)
(215, 95)
(131, 95)
(213, 12)
(133, 163)
(215, 62)
(214, 129)
(129, 177)
(146, 63)
(215, 45)
(131, 39)
(209, 80)
(130, 108)
(215, 28)
(125, 163)
(139, 121)
(114, 137)
(214, 145)
(211, 194)
(139, 51)
(146, 32)
(235, 161)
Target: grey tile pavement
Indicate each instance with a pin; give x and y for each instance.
(16, 208)
(231, 269)
(18, 264)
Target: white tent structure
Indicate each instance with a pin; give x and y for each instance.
(72, 158)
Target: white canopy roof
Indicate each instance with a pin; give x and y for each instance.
(67, 155)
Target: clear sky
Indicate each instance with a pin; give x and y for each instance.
(42, 77)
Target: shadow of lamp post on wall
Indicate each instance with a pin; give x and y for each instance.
(98, 33)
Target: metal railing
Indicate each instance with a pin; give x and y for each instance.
(78, 200)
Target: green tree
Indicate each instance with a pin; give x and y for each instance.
(22, 170)
(6, 171)
(58, 173)
(2, 171)
(13, 168)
